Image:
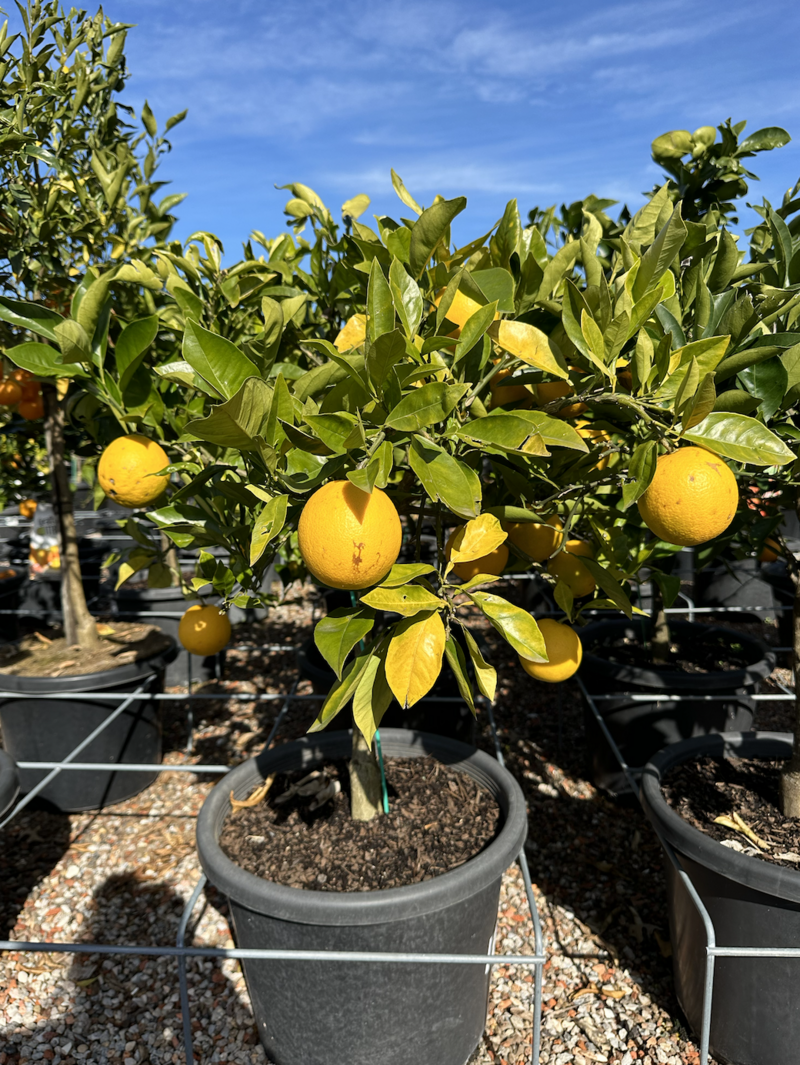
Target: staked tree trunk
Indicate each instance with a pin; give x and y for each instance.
(365, 780)
(80, 628)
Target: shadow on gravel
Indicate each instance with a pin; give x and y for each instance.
(33, 844)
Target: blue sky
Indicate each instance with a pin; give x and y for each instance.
(545, 102)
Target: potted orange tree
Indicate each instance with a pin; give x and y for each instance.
(382, 415)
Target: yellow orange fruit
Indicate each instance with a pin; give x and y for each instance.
(564, 653)
(126, 467)
(598, 437)
(547, 391)
(502, 394)
(10, 393)
(348, 538)
(692, 498)
(460, 310)
(494, 563)
(204, 630)
(567, 566)
(769, 552)
(27, 508)
(31, 409)
(20, 375)
(537, 541)
(352, 334)
(31, 389)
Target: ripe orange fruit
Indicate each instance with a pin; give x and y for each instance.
(27, 508)
(20, 375)
(769, 552)
(460, 310)
(31, 409)
(567, 566)
(564, 653)
(494, 563)
(10, 393)
(126, 467)
(692, 498)
(599, 437)
(547, 391)
(502, 394)
(31, 389)
(348, 538)
(536, 540)
(204, 630)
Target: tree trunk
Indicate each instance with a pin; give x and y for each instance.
(790, 775)
(171, 559)
(660, 637)
(80, 628)
(365, 780)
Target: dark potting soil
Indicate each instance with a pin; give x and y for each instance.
(710, 653)
(438, 819)
(705, 789)
(123, 642)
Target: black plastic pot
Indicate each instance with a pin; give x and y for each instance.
(452, 718)
(640, 728)
(752, 903)
(10, 598)
(9, 782)
(740, 583)
(167, 605)
(349, 1013)
(777, 576)
(47, 730)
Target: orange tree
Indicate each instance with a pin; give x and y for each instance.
(341, 422)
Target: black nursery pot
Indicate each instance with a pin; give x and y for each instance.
(167, 605)
(10, 599)
(755, 1018)
(9, 782)
(740, 584)
(353, 1013)
(640, 728)
(452, 718)
(47, 730)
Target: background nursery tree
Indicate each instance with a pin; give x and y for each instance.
(78, 191)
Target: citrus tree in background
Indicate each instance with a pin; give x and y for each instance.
(78, 190)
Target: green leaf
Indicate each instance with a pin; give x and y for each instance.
(769, 382)
(558, 268)
(708, 355)
(474, 328)
(763, 140)
(425, 406)
(376, 472)
(341, 693)
(267, 526)
(445, 478)
(216, 360)
(670, 586)
(338, 633)
(660, 255)
(479, 537)
(609, 584)
(529, 344)
(356, 206)
(701, 405)
(515, 625)
(133, 342)
(333, 429)
(32, 316)
(409, 599)
(740, 438)
(403, 572)
(429, 229)
(74, 343)
(372, 697)
(406, 297)
(458, 664)
(238, 421)
(641, 470)
(555, 432)
(384, 353)
(43, 360)
(497, 286)
(504, 430)
(725, 263)
(404, 194)
(485, 675)
(380, 309)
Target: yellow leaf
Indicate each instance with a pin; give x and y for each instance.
(414, 658)
(372, 698)
(352, 334)
(528, 343)
(738, 825)
(478, 538)
(105, 630)
(485, 675)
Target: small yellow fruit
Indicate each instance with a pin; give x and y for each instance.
(27, 508)
(494, 563)
(535, 540)
(502, 394)
(204, 630)
(125, 468)
(564, 653)
(460, 310)
(567, 566)
(547, 391)
(348, 538)
(769, 552)
(352, 334)
(692, 498)
(596, 436)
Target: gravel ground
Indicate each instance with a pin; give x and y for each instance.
(123, 876)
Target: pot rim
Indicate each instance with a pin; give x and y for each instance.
(11, 684)
(729, 681)
(361, 907)
(689, 841)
